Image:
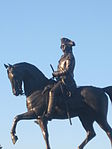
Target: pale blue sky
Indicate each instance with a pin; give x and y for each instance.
(31, 31)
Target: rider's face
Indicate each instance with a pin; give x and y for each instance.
(63, 47)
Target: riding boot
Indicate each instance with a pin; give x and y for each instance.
(50, 106)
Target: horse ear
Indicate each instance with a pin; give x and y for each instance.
(10, 65)
(6, 66)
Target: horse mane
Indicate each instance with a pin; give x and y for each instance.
(34, 71)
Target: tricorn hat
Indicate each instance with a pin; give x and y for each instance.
(66, 41)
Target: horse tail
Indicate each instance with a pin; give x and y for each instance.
(108, 90)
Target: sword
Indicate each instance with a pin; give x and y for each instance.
(52, 67)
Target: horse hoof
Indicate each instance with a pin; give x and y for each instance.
(14, 139)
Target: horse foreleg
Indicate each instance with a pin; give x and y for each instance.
(43, 125)
(24, 116)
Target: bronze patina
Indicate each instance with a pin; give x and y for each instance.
(89, 103)
(64, 75)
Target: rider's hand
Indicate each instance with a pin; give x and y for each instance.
(55, 74)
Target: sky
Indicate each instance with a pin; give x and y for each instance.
(30, 31)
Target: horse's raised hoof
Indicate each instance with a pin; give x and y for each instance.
(14, 139)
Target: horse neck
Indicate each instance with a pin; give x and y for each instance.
(32, 83)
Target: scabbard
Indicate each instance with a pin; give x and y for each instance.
(67, 108)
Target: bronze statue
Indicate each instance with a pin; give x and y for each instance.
(64, 75)
(89, 103)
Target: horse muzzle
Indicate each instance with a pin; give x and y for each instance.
(18, 92)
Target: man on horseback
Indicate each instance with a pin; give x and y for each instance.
(64, 75)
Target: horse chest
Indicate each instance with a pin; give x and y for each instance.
(33, 102)
(29, 104)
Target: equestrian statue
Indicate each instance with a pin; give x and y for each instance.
(59, 98)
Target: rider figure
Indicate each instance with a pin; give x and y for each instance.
(64, 74)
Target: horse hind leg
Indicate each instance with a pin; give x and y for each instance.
(88, 125)
(106, 127)
(90, 135)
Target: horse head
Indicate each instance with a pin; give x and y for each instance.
(15, 79)
(32, 78)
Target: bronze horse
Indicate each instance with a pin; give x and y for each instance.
(88, 103)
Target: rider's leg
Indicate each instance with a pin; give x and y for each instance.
(52, 95)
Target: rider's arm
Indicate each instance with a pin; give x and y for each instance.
(69, 67)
